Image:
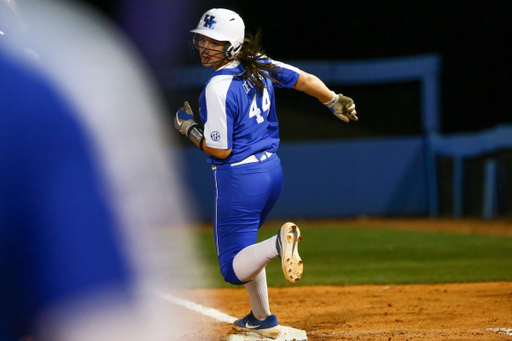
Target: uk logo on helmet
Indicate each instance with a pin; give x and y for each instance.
(209, 21)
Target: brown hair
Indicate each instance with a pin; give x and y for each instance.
(252, 56)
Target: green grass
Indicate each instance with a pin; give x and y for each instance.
(354, 255)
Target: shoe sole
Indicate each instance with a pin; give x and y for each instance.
(290, 259)
(269, 332)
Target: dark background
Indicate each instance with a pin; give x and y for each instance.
(472, 39)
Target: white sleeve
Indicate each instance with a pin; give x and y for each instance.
(285, 66)
(287, 75)
(216, 125)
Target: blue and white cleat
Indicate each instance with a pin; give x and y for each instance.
(287, 246)
(269, 327)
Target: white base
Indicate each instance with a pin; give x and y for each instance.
(286, 334)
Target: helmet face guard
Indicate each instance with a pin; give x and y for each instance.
(222, 25)
(196, 51)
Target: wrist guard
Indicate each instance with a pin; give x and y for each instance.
(195, 134)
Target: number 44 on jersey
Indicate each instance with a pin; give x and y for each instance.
(265, 107)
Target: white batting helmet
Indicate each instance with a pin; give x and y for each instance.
(223, 25)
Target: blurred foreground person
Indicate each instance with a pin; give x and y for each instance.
(86, 182)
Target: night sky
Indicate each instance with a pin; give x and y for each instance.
(472, 39)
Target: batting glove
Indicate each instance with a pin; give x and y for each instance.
(343, 107)
(184, 119)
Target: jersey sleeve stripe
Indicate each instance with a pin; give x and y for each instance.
(216, 125)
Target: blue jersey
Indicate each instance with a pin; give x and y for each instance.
(237, 115)
(57, 234)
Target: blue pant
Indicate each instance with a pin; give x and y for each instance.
(244, 197)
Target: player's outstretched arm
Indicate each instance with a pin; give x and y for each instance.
(341, 106)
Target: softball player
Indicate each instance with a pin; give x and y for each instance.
(241, 136)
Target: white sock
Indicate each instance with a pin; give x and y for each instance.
(258, 294)
(248, 263)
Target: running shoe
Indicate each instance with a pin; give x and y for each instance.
(269, 327)
(287, 247)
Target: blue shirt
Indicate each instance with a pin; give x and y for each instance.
(57, 233)
(237, 115)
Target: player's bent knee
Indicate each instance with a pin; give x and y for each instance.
(229, 275)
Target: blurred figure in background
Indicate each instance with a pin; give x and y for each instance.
(86, 182)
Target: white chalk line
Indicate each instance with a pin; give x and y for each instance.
(506, 331)
(287, 334)
(210, 312)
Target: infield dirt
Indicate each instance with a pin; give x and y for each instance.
(469, 311)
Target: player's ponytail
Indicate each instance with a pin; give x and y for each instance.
(255, 61)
